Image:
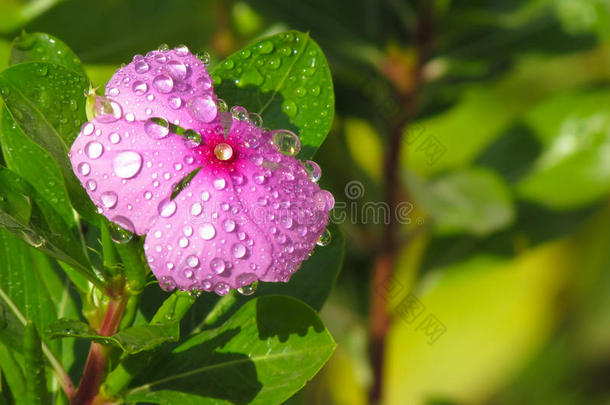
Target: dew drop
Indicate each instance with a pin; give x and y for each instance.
(177, 69)
(175, 102)
(141, 66)
(207, 231)
(121, 229)
(223, 151)
(204, 82)
(106, 110)
(205, 196)
(91, 185)
(94, 149)
(202, 108)
(204, 57)
(325, 238)
(109, 199)
(167, 283)
(196, 209)
(238, 250)
(286, 142)
(156, 128)
(192, 261)
(114, 138)
(166, 208)
(127, 164)
(183, 242)
(139, 87)
(324, 200)
(84, 169)
(313, 170)
(219, 184)
(87, 128)
(228, 225)
(217, 265)
(163, 83)
(222, 288)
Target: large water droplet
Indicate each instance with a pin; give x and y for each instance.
(324, 200)
(286, 142)
(265, 47)
(167, 283)
(313, 170)
(247, 282)
(106, 110)
(222, 288)
(163, 84)
(202, 108)
(223, 151)
(192, 261)
(228, 225)
(139, 87)
(219, 184)
(127, 164)
(239, 113)
(177, 69)
(166, 208)
(207, 231)
(325, 238)
(94, 149)
(290, 108)
(141, 66)
(109, 199)
(204, 57)
(121, 229)
(84, 169)
(175, 102)
(204, 83)
(156, 128)
(238, 250)
(217, 265)
(87, 128)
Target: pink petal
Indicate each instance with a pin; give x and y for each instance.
(126, 172)
(171, 84)
(256, 219)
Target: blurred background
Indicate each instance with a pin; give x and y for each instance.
(470, 161)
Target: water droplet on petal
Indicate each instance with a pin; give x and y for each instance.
(324, 200)
(238, 250)
(222, 288)
(106, 110)
(207, 231)
(202, 108)
(91, 185)
(313, 170)
(217, 265)
(166, 208)
(156, 128)
(228, 225)
(127, 164)
(196, 209)
(139, 87)
(87, 128)
(204, 57)
(109, 199)
(239, 113)
(114, 138)
(167, 283)
(125, 223)
(286, 142)
(84, 169)
(247, 282)
(192, 261)
(175, 102)
(219, 184)
(204, 83)
(94, 149)
(181, 50)
(177, 69)
(141, 66)
(163, 84)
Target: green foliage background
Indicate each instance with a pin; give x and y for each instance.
(505, 243)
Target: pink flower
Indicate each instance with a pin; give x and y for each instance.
(250, 213)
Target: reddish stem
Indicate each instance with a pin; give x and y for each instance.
(98, 354)
(383, 267)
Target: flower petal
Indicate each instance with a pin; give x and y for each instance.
(256, 221)
(127, 173)
(171, 84)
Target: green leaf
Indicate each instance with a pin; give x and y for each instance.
(42, 47)
(44, 229)
(15, 14)
(131, 340)
(475, 201)
(12, 372)
(572, 170)
(497, 312)
(11, 329)
(34, 367)
(46, 102)
(263, 354)
(285, 78)
(30, 161)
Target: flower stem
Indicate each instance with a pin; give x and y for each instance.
(98, 354)
(383, 268)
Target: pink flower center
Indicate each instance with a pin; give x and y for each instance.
(223, 151)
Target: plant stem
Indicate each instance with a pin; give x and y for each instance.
(98, 354)
(383, 267)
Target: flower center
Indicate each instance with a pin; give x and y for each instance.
(223, 151)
